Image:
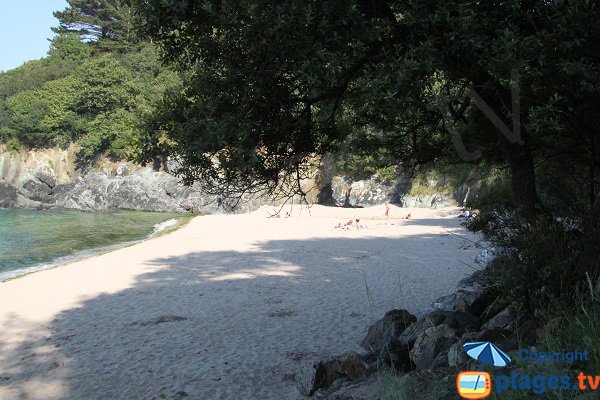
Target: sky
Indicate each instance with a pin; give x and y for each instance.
(25, 30)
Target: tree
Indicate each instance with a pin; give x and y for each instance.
(107, 23)
(272, 85)
(68, 46)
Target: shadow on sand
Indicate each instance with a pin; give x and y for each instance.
(211, 325)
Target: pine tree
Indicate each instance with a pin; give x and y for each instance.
(109, 23)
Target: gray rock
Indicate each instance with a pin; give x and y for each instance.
(34, 189)
(484, 257)
(122, 169)
(437, 200)
(440, 361)
(473, 300)
(462, 322)
(368, 192)
(434, 341)
(8, 195)
(494, 308)
(456, 355)
(505, 320)
(392, 324)
(321, 374)
(309, 378)
(47, 176)
(416, 329)
(476, 278)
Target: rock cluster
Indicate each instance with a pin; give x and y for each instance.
(51, 178)
(55, 178)
(431, 345)
(343, 191)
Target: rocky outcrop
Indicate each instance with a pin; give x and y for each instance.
(348, 193)
(55, 178)
(343, 191)
(50, 178)
(431, 346)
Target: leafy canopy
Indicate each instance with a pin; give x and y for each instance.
(270, 85)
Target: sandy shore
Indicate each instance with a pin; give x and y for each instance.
(224, 308)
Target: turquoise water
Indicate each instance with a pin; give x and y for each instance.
(31, 240)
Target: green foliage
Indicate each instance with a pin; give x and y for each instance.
(108, 24)
(68, 46)
(105, 86)
(573, 324)
(391, 386)
(538, 261)
(32, 75)
(26, 112)
(109, 133)
(270, 85)
(102, 102)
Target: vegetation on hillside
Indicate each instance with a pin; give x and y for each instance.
(96, 87)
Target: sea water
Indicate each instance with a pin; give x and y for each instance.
(31, 240)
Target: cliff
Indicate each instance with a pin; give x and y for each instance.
(51, 178)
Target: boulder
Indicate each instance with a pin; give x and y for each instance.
(321, 374)
(484, 257)
(47, 176)
(364, 390)
(34, 189)
(503, 320)
(472, 300)
(462, 322)
(8, 195)
(502, 338)
(392, 324)
(122, 169)
(311, 377)
(494, 308)
(345, 192)
(434, 341)
(456, 355)
(416, 329)
(476, 278)
(440, 361)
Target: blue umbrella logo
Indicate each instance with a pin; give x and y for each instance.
(487, 353)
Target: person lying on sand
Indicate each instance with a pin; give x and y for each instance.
(351, 225)
(278, 215)
(345, 226)
(468, 213)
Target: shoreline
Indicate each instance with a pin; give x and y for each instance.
(227, 307)
(81, 255)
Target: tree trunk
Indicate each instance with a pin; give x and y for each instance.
(523, 181)
(516, 153)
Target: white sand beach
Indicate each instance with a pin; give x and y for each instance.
(227, 307)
